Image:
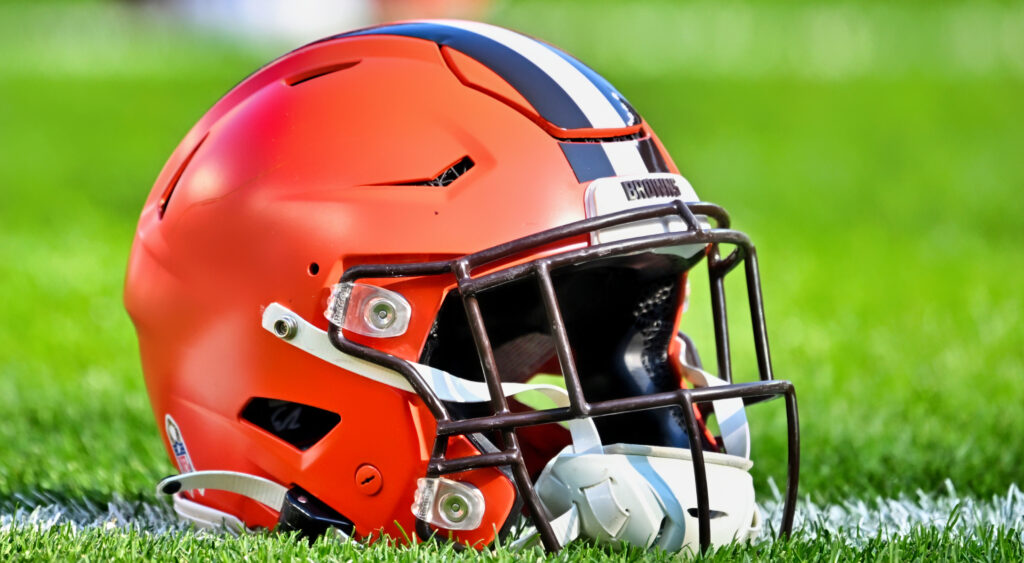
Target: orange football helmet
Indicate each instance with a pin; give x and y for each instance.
(428, 275)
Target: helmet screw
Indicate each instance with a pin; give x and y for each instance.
(286, 328)
(368, 479)
(381, 313)
(454, 507)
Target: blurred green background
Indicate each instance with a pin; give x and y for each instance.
(873, 152)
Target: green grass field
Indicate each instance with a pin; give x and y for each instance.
(874, 153)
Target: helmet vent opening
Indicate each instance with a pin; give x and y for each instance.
(300, 425)
(318, 72)
(447, 176)
(611, 139)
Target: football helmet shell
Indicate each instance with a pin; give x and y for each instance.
(360, 158)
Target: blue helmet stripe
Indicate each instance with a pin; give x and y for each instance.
(588, 161)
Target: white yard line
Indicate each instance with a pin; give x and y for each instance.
(83, 514)
(856, 519)
(862, 519)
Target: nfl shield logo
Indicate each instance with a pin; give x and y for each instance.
(181, 457)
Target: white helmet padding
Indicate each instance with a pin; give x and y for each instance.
(645, 495)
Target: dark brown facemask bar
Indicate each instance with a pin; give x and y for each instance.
(505, 422)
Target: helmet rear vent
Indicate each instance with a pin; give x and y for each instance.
(447, 176)
(165, 197)
(300, 425)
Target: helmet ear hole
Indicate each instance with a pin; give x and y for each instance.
(300, 425)
(313, 268)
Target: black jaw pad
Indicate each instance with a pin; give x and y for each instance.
(308, 515)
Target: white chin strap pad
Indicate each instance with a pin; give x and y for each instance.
(646, 496)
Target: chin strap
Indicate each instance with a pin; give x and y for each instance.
(730, 413)
(302, 511)
(297, 510)
(263, 491)
(447, 387)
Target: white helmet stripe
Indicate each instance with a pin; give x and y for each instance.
(625, 158)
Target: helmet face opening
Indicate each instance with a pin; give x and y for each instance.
(620, 315)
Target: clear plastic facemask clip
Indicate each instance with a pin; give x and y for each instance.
(368, 310)
(448, 504)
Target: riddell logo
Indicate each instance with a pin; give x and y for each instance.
(647, 188)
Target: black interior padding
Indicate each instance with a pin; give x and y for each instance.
(522, 357)
(619, 315)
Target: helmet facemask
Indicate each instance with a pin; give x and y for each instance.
(606, 313)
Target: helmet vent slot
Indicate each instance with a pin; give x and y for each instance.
(300, 425)
(447, 176)
(318, 72)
